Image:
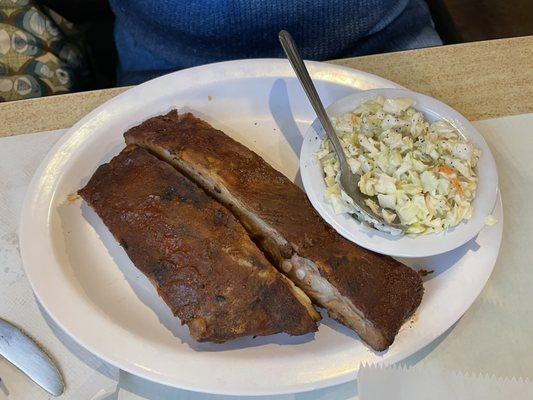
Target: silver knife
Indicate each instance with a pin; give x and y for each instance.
(27, 356)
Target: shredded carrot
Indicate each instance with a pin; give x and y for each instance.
(449, 171)
(445, 170)
(455, 182)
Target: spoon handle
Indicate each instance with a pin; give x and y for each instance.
(303, 75)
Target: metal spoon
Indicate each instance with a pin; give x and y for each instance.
(348, 180)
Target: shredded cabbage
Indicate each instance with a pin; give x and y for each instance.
(418, 173)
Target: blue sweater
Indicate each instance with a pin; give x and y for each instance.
(154, 37)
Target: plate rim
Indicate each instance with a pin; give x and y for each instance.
(60, 149)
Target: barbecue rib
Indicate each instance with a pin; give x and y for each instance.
(371, 293)
(199, 257)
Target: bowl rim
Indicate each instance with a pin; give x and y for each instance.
(405, 246)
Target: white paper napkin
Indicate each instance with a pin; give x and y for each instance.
(426, 381)
(86, 376)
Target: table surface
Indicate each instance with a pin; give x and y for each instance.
(481, 80)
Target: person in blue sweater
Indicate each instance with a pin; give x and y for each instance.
(42, 53)
(160, 36)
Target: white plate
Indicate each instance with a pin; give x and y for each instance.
(382, 242)
(87, 284)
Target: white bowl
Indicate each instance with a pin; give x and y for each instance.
(421, 246)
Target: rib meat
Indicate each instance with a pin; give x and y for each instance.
(199, 257)
(371, 293)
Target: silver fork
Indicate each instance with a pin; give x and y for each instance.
(348, 180)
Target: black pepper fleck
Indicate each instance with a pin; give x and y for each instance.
(168, 194)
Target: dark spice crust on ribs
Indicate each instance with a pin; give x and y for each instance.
(385, 291)
(199, 257)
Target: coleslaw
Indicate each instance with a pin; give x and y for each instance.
(416, 173)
